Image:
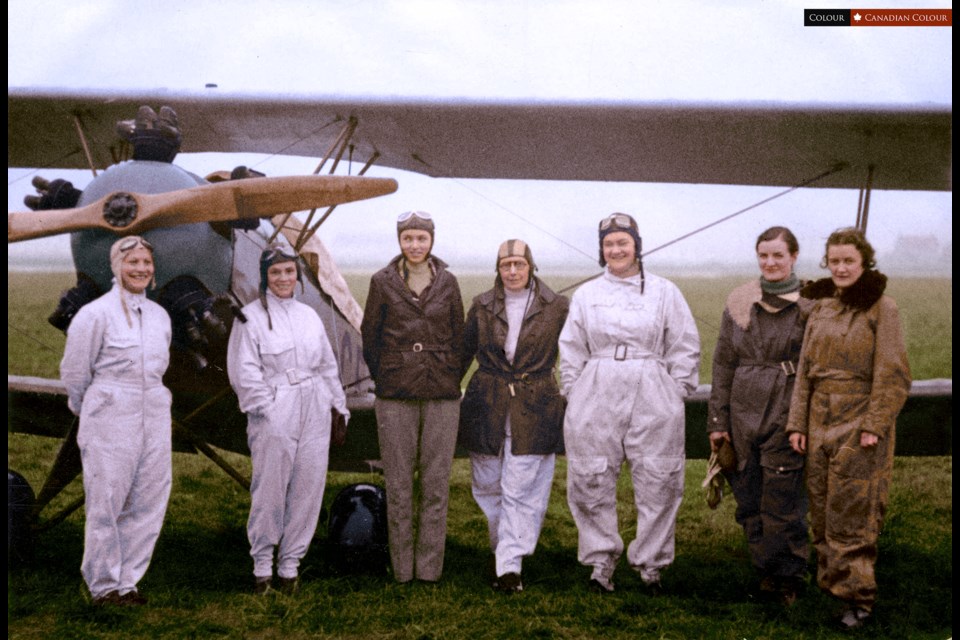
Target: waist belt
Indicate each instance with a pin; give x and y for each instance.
(417, 347)
(511, 376)
(789, 367)
(291, 377)
(624, 352)
(513, 379)
(126, 383)
(830, 385)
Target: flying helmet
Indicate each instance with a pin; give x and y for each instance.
(357, 533)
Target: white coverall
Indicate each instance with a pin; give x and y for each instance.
(286, 380)
(627, 360)
(114, 378)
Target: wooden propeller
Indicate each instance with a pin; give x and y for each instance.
(132, 213)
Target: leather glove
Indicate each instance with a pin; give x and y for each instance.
(338, 428)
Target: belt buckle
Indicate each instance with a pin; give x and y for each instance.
(292, 377)
(789, 369)
(620, 353)
(417, 347)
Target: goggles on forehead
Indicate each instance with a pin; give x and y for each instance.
(133, 243)
(618, 221)
(423, 215)
(271, 254)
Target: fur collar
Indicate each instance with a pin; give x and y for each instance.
(741, 300)
(862, 294)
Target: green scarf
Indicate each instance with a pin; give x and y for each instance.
(787, 285)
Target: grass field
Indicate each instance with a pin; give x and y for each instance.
(926, 309)
(200, 579)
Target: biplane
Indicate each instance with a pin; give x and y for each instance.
(208, 262)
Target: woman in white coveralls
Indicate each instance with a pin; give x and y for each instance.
(629, 354)
(118, 348)
(286, 378)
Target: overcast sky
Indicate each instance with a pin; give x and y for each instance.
(596, 50)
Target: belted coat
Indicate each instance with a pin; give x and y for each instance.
(754, 367)
(527, 389)
(412, 344)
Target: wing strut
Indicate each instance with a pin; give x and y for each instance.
(341, 142)
(66, 467)
(83, 141)
(183, 430)
(306, 234)
(863, 203)
(351, 127)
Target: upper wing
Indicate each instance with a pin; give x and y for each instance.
(708, 143)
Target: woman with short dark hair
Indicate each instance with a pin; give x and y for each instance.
(754, 364)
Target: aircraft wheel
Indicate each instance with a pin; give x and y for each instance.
(20, 500)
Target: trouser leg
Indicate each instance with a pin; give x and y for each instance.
(304, 497)
(108, 473)
(141, 520)
(398, 429)
(658, 490)
(437, 444)
(485, 474)
(526, 487)
(817, 482)
(783, 508)
(272, 459)
(592, 498)
(746, 484)
(853, 513)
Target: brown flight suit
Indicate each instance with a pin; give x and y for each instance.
(853, 376)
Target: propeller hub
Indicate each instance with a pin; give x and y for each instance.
(120, 210)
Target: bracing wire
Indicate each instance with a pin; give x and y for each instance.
(834, 169)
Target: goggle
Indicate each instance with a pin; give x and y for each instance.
(519, 264)
(423, 215)
(271, 253)
(134, 242)
(618, 220)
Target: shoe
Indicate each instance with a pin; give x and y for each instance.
(767, 590)
(509, 583)
(768, 584)
(790, 590)
(492, 571)
(288, 586)
(111, 598)
(853, 618)
(262, 585)
(132, 599)
(653, 588)
(596, 586)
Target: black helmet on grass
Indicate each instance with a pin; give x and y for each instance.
(358, 530)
